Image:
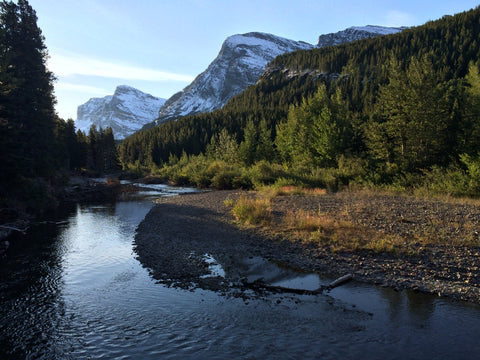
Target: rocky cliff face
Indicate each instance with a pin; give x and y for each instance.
(241, 61)
(126, 111)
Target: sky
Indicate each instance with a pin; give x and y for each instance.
(160, 46)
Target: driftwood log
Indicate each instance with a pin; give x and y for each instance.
(260, 285)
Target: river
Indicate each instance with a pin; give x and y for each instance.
(74, 289)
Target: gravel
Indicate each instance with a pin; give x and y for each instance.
(180, 234)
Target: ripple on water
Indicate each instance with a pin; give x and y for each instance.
(80, 294)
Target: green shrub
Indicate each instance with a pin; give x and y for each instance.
(242, 181)
(440, 181)
(473, 171)
(264, 173)
(225, 179)
(324, 178)
(351, 169)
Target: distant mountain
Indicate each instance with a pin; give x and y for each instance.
(355, 33)
(126, 111)
(241, 61)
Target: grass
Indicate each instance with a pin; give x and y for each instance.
(249, 211)
(273, 191)
(325, 230)
(337, 229)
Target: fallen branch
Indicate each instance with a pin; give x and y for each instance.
(259, 285)
(340, 281)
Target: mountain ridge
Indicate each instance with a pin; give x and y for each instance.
(241, 61)
(184, 102)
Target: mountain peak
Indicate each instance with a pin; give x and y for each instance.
(356, 33)
(126, 111)
(125, 88)
(240, 62)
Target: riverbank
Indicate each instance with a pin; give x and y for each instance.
(17, 216)
(181, 233)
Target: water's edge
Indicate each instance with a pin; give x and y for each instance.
(76, 290)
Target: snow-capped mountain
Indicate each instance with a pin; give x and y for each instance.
(126, 111)
(241, 61)
(355, 33)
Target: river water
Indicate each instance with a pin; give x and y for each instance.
(75, 290)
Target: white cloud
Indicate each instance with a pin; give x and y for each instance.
(70, 65)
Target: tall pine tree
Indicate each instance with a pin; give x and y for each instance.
(26, 96)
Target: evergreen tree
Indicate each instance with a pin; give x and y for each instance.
(92, 148)
(109, 151)
(223, 146)
(248, 146)
(79, 159)
(413, 117)
(469, 133)
(265, 149)
(26, 95)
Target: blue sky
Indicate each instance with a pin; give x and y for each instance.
(160, 46)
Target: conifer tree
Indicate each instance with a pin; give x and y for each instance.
(413, 116)
(248, 146)
(26, 95)
(265, 149)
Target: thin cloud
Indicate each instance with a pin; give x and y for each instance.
(65, 86)
(62, 65)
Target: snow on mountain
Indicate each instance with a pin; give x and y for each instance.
(126, 111)
(355, 33)
(241, 61)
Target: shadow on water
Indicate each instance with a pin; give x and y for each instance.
(78, 291)
(30, 292)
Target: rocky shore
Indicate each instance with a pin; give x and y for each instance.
(180, 234)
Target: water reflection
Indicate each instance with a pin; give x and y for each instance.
(76, 291)
(30, 294)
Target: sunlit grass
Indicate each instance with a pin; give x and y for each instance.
(324, 230)
(273, 191)
(252, 211)
(340, 232)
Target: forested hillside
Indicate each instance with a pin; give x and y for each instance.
(400, 104)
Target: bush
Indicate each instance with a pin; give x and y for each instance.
(264, 173)
(242, 181)
(324, 178)
(351, 169)
(225, 179)
(440, 181)
(195, 170)
(473, 171)
(37, 195)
